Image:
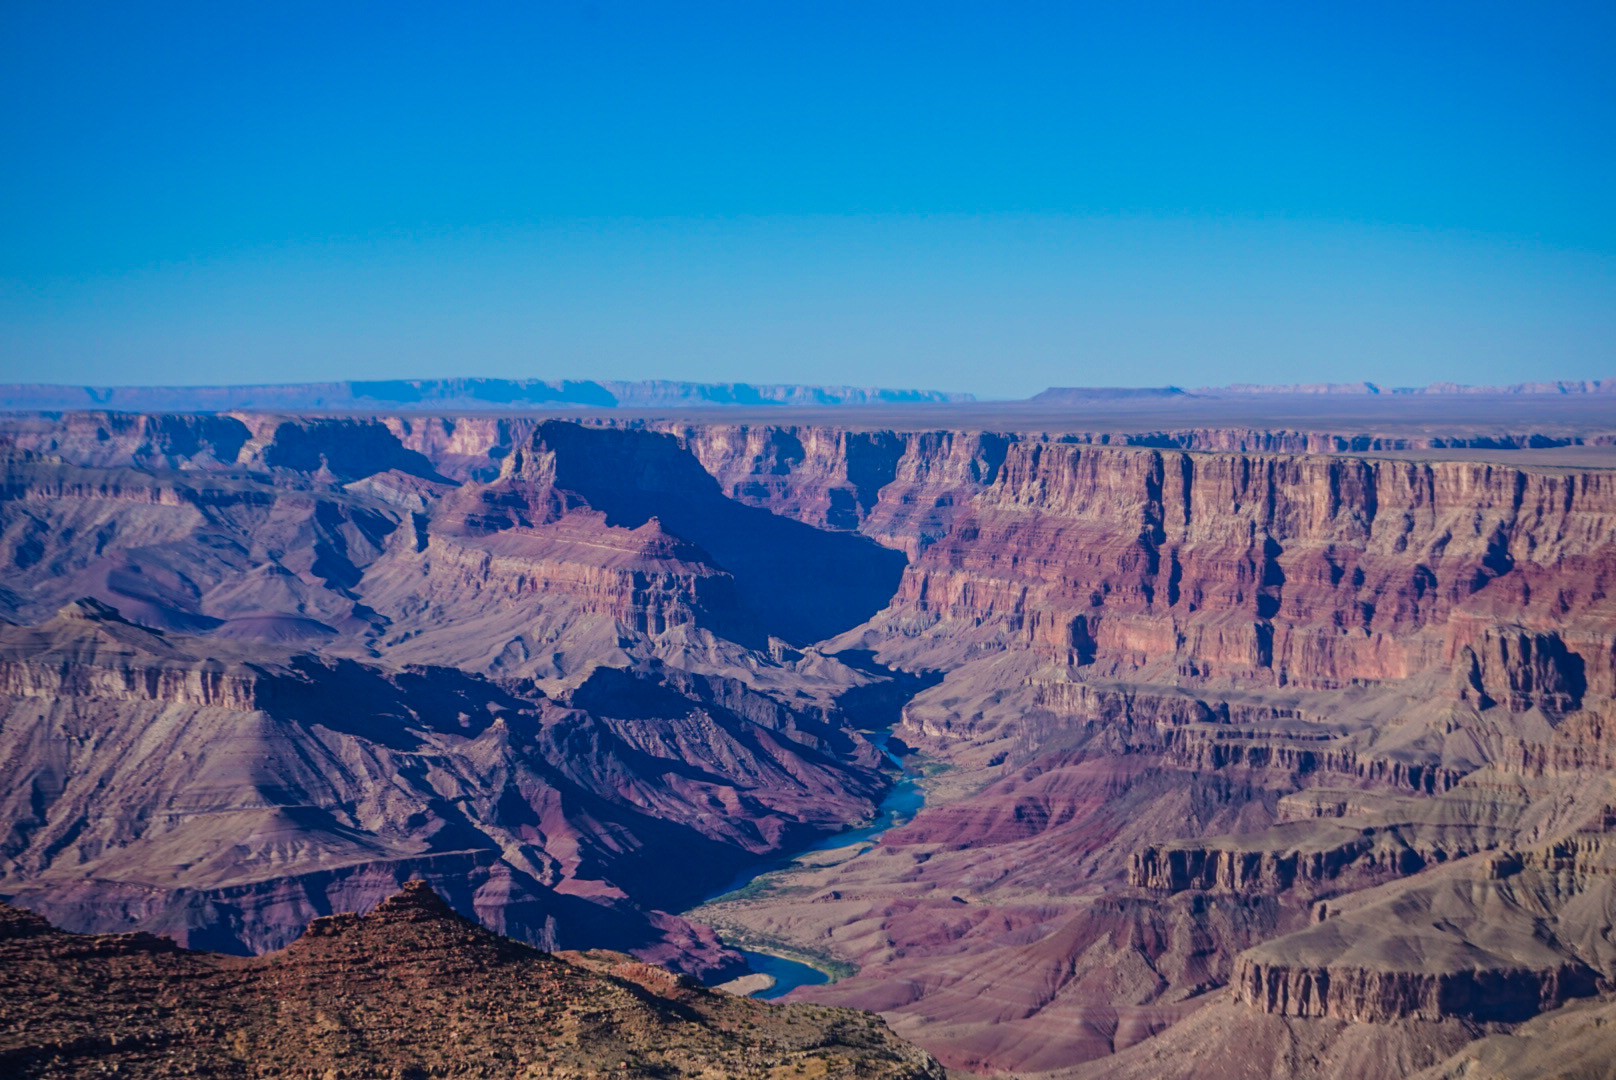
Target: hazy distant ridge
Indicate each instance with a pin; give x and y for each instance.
(1089, 394)
(439, 394)
(1560, 386)
(443, 395)
(1058, 394)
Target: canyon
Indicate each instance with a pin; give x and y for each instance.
(1259, 735)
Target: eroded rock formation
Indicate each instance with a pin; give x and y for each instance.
(409, 989)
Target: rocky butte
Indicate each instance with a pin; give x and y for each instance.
(1260, 733)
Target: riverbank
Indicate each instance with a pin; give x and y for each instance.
(787, 964)
(790, 964)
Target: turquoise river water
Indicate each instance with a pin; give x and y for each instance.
(902, 803)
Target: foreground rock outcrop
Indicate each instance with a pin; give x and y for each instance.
(410, 989)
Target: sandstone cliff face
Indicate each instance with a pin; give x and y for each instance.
(466, 447)
(902, 488)
(1335, 846)
(1380, 996)
(805, 584)
(1169, 869)
(93, 648)
(1295, 571)
(346, 448)
(106, 439)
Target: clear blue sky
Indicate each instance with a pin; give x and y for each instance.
(988, 197)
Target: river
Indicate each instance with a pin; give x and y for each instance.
(902, 802)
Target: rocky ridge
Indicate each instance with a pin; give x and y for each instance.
(410, 989)
(1556, 386)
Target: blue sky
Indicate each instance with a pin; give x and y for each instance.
(982, 197)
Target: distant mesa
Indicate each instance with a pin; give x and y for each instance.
(1292, 388)
(549, 395)
(1061, 394)
(1562, 386)
(1089, 394)
(450, 395)
(1559, 386)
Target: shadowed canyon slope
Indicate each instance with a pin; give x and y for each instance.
(1283, 747)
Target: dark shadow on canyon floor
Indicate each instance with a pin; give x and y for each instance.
(801, 583)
